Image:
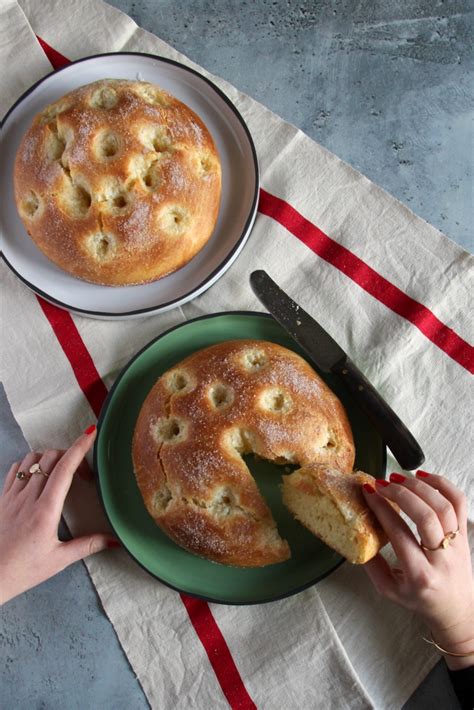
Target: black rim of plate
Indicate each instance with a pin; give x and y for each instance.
(103, 413)
(225, 263)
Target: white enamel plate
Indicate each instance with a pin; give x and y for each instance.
(240, 183)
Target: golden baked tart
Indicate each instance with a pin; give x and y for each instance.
(118, 182)
(198, 421)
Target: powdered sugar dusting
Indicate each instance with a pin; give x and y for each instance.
(138, 223)
(177, 177)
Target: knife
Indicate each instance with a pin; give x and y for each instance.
(330, 357)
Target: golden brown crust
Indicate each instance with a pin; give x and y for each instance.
(331, 505)
(202, 415)
(118, 182)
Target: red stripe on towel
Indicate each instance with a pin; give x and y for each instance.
(57, 60)
(218, 653)
(95, 391)
(367, 278)
(76, 352)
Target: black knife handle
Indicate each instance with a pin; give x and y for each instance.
(399, 440)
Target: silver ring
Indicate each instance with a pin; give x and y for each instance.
(36, 468)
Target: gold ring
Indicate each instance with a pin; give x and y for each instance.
(36, 468)
(445, 542)
(22, 476)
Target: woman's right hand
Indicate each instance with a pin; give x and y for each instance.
(435, 583)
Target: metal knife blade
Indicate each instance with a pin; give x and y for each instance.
(330, 357)
(309, 335)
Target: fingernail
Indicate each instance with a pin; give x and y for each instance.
(113, 543)
(382, 482)
(90, 429)
(397, 478)
(368, 488)
(422, 474)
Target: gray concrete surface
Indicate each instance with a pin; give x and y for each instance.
(384, 84)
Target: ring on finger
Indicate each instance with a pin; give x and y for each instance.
(445, 542)
(36, 468)
(23, 476)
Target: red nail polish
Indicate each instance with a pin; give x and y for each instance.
(368, 488)
(90, 429)
(382, 482)
(422, 474)
(113, 543)
(397, 478)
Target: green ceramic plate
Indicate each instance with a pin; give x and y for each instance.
(311, 560)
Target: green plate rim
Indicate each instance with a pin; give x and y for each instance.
(100, 420)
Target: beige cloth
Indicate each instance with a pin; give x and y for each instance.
(337, 645)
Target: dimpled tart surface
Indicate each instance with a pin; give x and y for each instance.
(118, 182)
